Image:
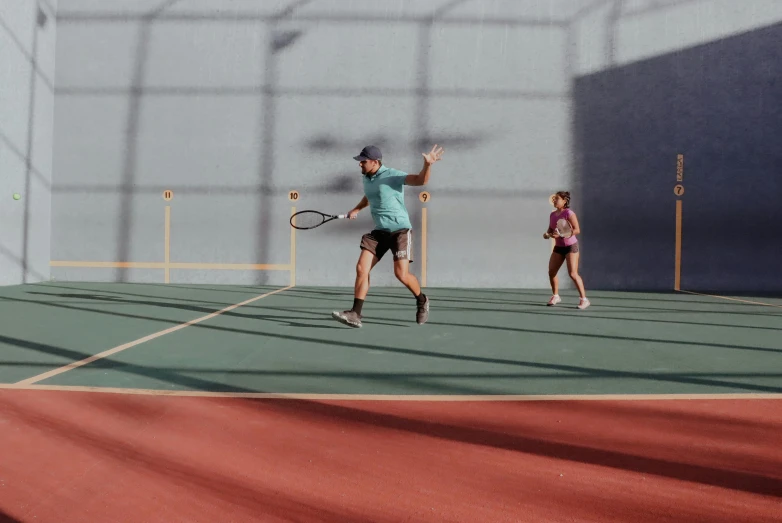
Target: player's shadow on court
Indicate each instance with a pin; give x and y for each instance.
(174, 377)
(317, 321)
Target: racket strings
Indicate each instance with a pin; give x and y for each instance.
(564, 228)
(308, 219)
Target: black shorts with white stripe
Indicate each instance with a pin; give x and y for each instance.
(400, 243)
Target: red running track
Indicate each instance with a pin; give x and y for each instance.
(85, 456)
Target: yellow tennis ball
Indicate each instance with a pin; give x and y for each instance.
(17, 196)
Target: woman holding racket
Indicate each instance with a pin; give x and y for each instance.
(563, 227)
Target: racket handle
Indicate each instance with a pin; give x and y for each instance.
(342, 216)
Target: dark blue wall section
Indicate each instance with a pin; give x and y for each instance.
(720, 105)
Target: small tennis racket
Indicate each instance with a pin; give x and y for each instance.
(564, 229)
(312, 219)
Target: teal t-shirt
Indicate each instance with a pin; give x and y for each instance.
(385, 191)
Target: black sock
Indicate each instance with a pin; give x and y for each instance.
(420, 298)
(357, 304)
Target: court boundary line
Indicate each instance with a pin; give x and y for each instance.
(293, 248)
(393, 397)
(167, 248)
(173, 265)
(677, 270)
(167, 265)
(733, 299)
(423, 246)
(139, 341)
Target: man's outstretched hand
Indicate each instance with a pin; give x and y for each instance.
(433, 155)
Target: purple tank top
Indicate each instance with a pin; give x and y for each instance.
(552, 223)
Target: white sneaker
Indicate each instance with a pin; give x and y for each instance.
(554, 300)
(583, 303)
(351, 318)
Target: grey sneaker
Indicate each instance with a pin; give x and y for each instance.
(422, 314)
(351, 318)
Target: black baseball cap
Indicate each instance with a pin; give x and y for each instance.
(370, 152)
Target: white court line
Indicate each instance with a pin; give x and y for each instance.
(734, 299)
(106, 353)
(396, 397)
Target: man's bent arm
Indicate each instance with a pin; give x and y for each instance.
(421, 178)
(362, 204)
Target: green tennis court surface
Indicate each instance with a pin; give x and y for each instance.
(477, 342)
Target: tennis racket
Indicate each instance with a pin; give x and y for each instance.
(564, 229)
(312, 219)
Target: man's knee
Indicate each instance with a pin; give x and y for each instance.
(363, 267)
(400, 271)
(366, 261)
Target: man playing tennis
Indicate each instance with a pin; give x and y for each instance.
(384, 194)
